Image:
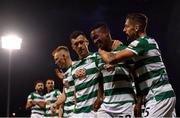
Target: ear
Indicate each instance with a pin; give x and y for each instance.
(136, 28)
(72, 46)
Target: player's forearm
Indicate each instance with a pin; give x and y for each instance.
(137, 108)
(120, 56)
(61, 99)
(41, 104)
(29, 105)
(139, 99)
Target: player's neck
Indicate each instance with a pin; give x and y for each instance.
(142, 35)
(69, 63)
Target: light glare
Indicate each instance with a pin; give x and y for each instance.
(11, 42)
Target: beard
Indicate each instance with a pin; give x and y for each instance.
(40, 91)
(132, 37)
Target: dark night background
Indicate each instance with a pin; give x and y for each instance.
(44, 25)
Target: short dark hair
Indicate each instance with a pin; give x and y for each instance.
(60, 48)
(139, 18)
(75, 34)
(38, 81)
(102, 25)
(49, 79)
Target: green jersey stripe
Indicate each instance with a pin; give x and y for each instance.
(120, 102)
(69, 94)
(117, 91)
(91, 71)
(51, 115)
(90, 83)
(148, 61)
(165, 95)
(150, 75)
(119, 48)
(86, 97)
(85, 109)
(38, 108)
(68, 111)
(71, 83)
(117, 77)
(70, 103)
(117, 85)
(158, 84)
(150, 67)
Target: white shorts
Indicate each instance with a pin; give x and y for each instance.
(164, 108)
(127, 111)
(37, 116)
(91, 114)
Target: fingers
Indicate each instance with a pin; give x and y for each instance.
(100, 51)
(58, 70)
(116, 43)
(105, 55)
(53, 109)
(109, 67)
(66, 84)
(97, 105)
(59, 73)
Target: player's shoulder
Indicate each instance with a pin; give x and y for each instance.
(33, 93)
(92, 54)
(120, 47)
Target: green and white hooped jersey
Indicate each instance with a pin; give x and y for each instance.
(118, 88)
(150, 70)
(69, 92)
(36, 97)
(51, 97)
(86, 88)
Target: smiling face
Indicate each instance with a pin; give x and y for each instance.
(80, 46)
(60, 58)
(130, 29)
(135, 25)
(100, 38)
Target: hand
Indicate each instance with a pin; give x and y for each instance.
(109, 67)
(48, 102)
(105, 55)
(137, 110)
(66, 84)
(59, 74)
(97, 104)
(116, 43)
(33, 103)
(54, 108)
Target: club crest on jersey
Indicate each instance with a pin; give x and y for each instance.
(80, 73)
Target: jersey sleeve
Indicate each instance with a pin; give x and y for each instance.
(139, 47)
(30, 97)
(99, 62)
